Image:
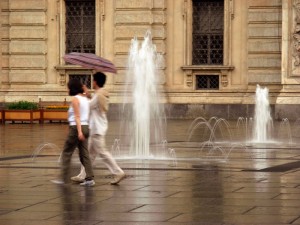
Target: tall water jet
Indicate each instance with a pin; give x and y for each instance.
(262, 118)
(145, 121)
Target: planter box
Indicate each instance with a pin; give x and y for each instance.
(54, 114)
(21, 115)
(1, 116)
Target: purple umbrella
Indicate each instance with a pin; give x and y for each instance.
(90, 61)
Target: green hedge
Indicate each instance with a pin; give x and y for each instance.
(22, 105)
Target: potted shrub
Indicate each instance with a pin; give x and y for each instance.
(1, 116)
(21, 111)
(55, 112)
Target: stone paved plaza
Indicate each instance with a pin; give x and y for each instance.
(239, 184)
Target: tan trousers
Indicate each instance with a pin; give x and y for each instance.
(97, 146)
(70, 145)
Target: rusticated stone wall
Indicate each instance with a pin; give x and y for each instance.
(1, 98)
(264, 41)
(4, 34)
(27, 46)
(258, 49)
(133, 19)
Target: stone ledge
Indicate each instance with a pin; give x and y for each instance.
(226, 111)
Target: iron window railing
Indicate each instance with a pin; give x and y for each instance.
(84, 78)
(207, 82)
(208, 29)
(80, 26)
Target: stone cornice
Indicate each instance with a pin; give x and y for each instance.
(70, 67)
(207, 67)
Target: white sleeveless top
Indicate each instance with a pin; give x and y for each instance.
(84, 109)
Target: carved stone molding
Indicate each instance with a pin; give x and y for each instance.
(296, 33)
(191, 71)
(231, 6)
(290, 63)
(64, 70)
(62, 79)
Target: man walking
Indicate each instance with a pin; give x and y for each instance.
(98, 125)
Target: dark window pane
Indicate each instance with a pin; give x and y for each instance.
(80, 26)
(84, 78)
(207, 82)
(208, 28)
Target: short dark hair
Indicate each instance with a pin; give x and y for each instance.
(75, 87)
(100, 78)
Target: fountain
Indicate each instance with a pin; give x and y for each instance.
(285, 131)
(38, 150)
(261, 128)
(144, 123)
(263, 122)
(143, 120)
(219, 143)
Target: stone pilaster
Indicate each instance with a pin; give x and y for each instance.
(0, 51)
(4, 33)
(264, 41)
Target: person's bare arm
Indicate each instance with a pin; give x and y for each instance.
(86, 91)
(76, 104)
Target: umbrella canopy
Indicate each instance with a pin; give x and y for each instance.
(90, 61)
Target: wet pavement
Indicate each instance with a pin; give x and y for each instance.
(220, 183)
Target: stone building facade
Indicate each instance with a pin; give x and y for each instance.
(260, 45)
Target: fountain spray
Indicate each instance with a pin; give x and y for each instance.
(146, 122)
